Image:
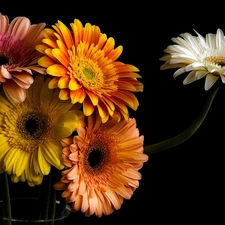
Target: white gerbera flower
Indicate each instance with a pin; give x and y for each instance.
(199, 56)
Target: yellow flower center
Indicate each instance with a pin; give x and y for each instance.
(86, 71)
(216, 60)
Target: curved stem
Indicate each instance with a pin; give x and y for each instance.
(5, 196)
(182, 137)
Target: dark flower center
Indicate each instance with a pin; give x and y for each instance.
(3, 60)
(34, 125)
(94, 158)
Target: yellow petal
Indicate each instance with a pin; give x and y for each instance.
(52, 153)
(74, 85)
(46, 61)
(88, 107)
(21, 162)
(44, 166)
(64, 82)
(53, 83)
(57, 70)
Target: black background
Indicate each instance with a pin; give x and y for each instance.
(183, 184)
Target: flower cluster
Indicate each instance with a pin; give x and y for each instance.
(64, 103)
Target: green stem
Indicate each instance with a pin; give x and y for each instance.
(52, 206)
(5, 196)
(182, 137)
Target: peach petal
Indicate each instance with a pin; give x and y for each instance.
(16, 92)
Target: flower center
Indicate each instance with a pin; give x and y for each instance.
(14, 52)
(216, 60)
(100, 158)
(3, 60)
(33, 125)
(86, 71)
(95, 157)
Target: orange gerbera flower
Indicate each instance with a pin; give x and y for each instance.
(18, 56)
(83, 64)
(103, 163)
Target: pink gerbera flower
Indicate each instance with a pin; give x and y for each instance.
(18, 56)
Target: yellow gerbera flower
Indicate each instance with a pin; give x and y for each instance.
(83, 64)
(102, 165)
(198, 56)
(18, 56)
(30, 132)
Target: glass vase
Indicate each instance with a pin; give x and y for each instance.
(24, 211)
(37, 205)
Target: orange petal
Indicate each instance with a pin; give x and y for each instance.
(127, 97)
(103, 112)
(88, 107)
(126, 85)
(87, 37)
(115, 54)
(93, 97)
(66, 33)
(61, 57)
(109, 45)
(77, 96)
(49, 33)
(77, 28)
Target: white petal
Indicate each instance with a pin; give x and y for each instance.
(210, 80)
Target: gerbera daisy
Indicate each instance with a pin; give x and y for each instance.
(102, 165)
(18, 56)
(198, 56)
(30, 132)
(83, 64)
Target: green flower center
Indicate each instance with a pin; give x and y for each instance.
(88, 73)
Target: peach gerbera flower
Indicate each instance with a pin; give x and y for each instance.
(83, 64)
(18, 56)
(102, 165)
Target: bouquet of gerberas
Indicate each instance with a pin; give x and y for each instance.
(64, 103)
